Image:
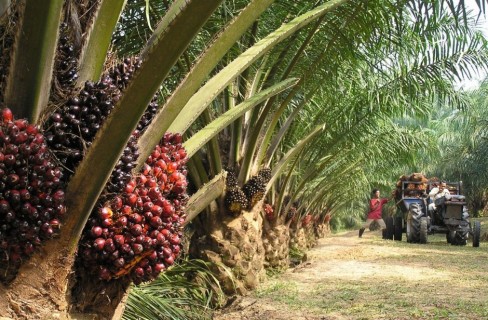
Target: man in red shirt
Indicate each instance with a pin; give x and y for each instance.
(375, 208)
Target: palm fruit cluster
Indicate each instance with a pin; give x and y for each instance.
(327, 217)
(235, 200)
(122, 172)
(291, 214)
(121, 75)
(307, 220)
(31, 190)
(138, 233)
(265, 174)
(268, 211)
(71, 129)
(255, 188)
(66, 63)
(413, 185)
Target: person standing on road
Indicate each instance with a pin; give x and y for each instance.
(375, 209)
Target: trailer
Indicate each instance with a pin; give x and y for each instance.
(414, 218)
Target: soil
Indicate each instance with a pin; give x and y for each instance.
(345, 277)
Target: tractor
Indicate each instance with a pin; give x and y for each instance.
(413, 216)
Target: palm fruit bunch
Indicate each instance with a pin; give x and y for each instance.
(306, 220)
(66, 64)
(416, 186)
(327, 217)
(255, 188)
(122, 172)
(265, 174)
(235, 200)
(121, 75)
(71, 129)
(268, 211)
(31, 191)
(291, 214)
(138, 233)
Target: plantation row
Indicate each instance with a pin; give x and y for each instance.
(134, 133)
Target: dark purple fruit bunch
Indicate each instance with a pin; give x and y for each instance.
(31, 190)
(66, 62)
(291, 214)
(121, 76)
(122, 173)
(254, 189)
(265, 174)
(138, 233)
(235, 200)
(231, 179)
(70, 130)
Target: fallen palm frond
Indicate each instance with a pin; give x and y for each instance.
(187, 290)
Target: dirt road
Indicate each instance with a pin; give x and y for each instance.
(345, 277)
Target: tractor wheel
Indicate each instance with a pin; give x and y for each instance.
(476, 234)
(389, 228)
(454, 238)
(423, 230)
(398, 229)
(409, 231)
(459, 239)
(451, 237)
(413, 230)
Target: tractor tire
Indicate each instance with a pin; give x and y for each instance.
(413, 236)
(398, 229)
(389, 228)
(409, 231)
(413, 223)
(451, 236)
(423, 232)
(476, 234)
(459, 239)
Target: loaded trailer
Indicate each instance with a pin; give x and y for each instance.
(414, 218)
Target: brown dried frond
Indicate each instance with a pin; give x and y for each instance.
(9, 23)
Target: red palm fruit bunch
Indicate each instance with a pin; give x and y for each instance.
(268, 210)
(306, 220)
(138, 233)
(31, 190)
(327, 217)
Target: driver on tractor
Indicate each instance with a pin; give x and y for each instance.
(436, 193)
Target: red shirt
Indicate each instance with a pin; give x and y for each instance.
(375, 207)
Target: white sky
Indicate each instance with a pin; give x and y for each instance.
(483, 25)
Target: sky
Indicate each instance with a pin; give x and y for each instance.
(483, 25)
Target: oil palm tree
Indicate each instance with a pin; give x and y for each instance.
(56, 55)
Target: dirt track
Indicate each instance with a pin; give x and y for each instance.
(345, 277)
